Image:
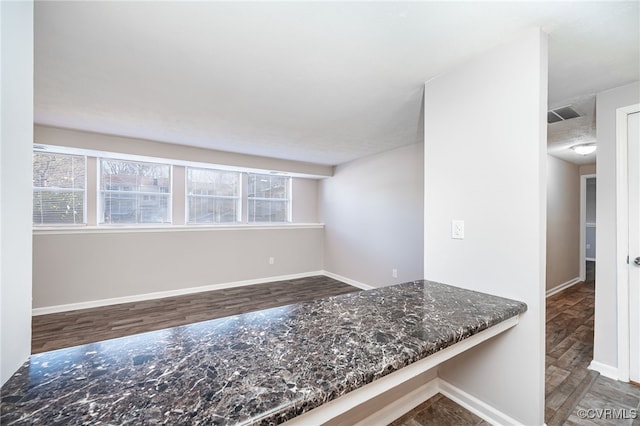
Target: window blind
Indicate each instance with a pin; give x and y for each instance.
(58, 189)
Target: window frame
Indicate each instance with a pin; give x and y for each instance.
(288, 200)
(100, 213)
(239, 198)
(92, 203)
(36, 150)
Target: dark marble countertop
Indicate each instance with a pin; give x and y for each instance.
(263, 367)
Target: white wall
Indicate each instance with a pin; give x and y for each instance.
(605, 329)
(563, 222)
(372, 211)
(16, 124)
(485, 160)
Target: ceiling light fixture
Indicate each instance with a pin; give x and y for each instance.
(584, 149)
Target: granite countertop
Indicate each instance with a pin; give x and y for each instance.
(263, 367)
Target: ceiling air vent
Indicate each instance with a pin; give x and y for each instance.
(561, 114)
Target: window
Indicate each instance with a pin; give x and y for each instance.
(58, 189)
(269, 198)
(213, 196)
(133, 192)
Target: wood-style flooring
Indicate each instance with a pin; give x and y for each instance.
(66, 329)
(569, 336)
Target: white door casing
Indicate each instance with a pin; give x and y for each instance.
(633, 152)
(628, 240)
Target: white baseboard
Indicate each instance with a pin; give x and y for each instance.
(346, 280)
(169, 293)
(403, 405)
(411, 400)
(184, 291)
(475, 405)
(604, 369)
(563, 286)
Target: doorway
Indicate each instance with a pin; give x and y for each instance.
(588, 194)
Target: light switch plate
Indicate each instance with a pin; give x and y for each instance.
(457, 229)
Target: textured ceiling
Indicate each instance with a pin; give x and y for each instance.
(319, 82)
(561, 136)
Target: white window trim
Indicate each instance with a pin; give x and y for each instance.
(100, 191)
(288, 200)
(239, 197)
(114, 229)
(98, 227)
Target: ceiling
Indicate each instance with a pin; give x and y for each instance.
(561, 136)
(319, 82)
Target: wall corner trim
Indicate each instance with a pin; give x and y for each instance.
(563, 286)
(346, 280)
(475, 405)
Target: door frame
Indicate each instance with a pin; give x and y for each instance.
(583, 224)
(622, 239)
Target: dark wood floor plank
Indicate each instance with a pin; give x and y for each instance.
(65, 329)
(569, 337)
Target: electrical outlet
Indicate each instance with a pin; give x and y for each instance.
(457, 229)
(394, 273)
(272, 260)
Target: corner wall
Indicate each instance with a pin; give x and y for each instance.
(16, 123)
(485, 163)
(563, 223)
(372, 209)
(605, 348)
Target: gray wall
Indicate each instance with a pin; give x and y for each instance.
(488, 169)
(119, 144)
(372, 209)
(16, 89)
(76, 267)
(563, 222)
(605, 328)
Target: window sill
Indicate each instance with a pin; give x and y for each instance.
(115, 229)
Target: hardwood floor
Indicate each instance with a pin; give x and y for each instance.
(622, 399)
(569, 337)
(61, 330)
